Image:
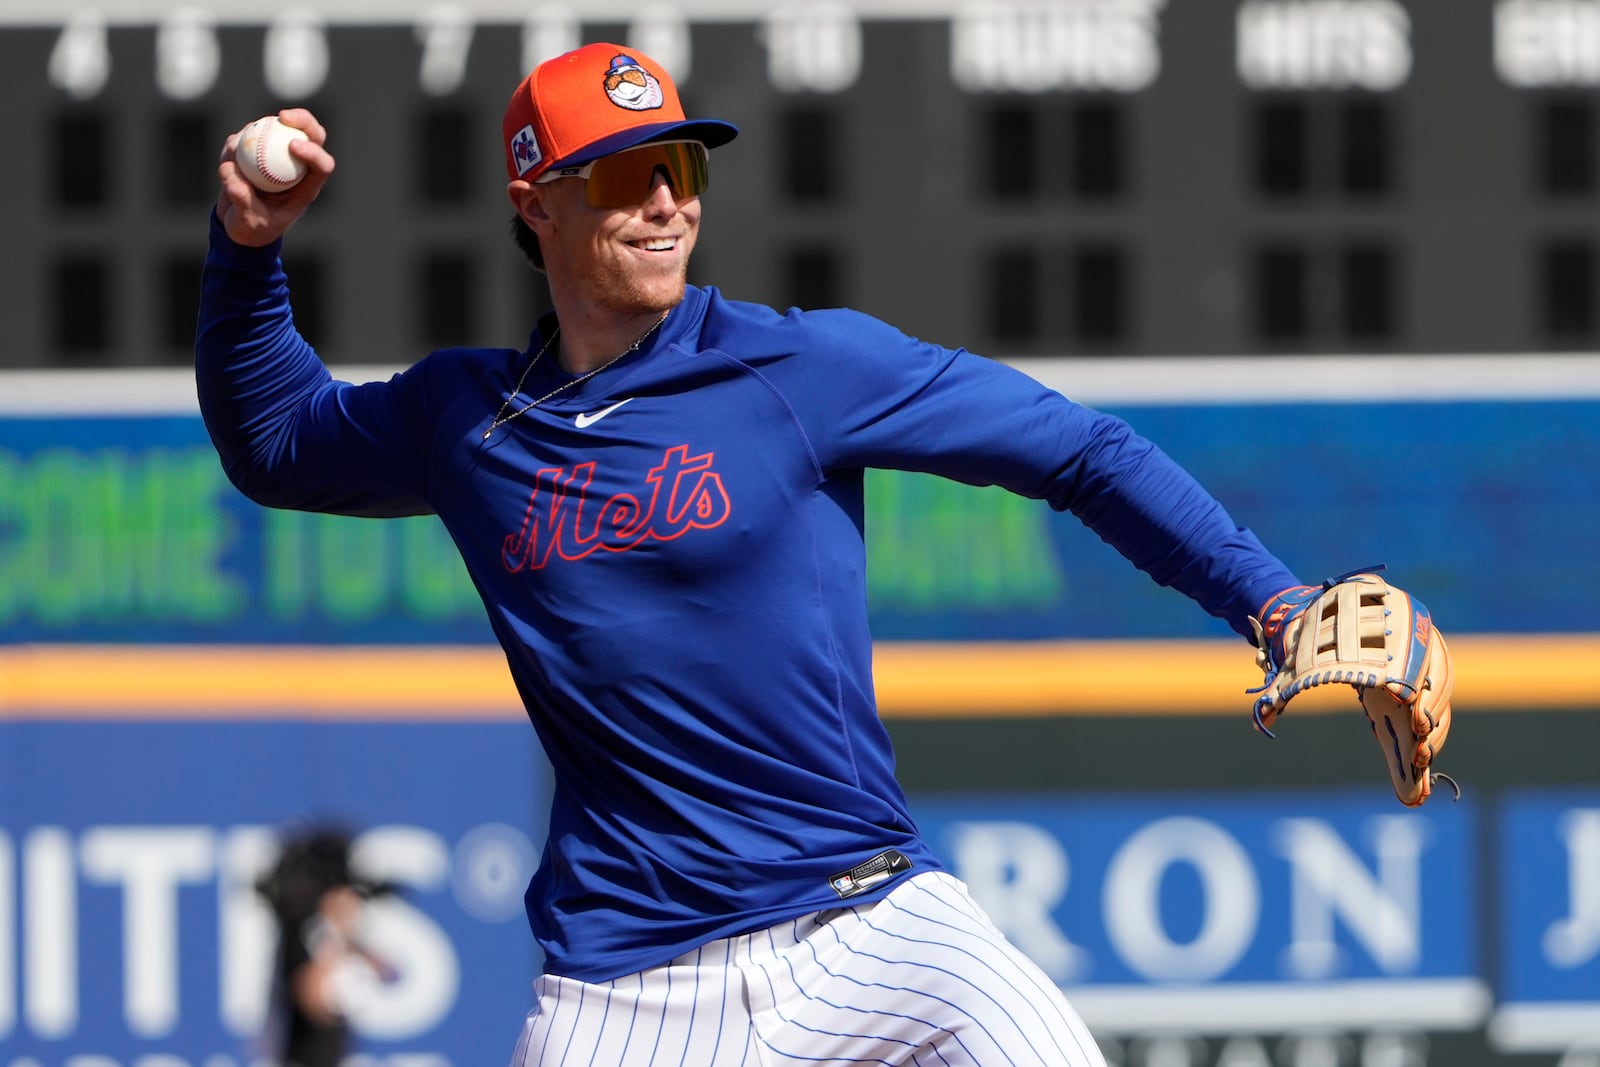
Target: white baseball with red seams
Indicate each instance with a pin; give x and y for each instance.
(263, 154)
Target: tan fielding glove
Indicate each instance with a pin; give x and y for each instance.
(1361, 631)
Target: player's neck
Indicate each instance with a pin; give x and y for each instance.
(592, 341)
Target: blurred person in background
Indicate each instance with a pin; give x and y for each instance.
(322, 968)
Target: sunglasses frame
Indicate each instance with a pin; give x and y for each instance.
(586, 169)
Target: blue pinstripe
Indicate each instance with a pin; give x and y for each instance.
(543, 1045)
(605, 1014)
(721, 1016)
(694, 1010)
(634, 1018)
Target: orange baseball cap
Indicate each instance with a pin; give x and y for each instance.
(594, 101)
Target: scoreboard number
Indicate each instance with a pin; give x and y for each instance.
(80, 63)
(294, 57)
(188, 57)
(445, 33)
(815, 48)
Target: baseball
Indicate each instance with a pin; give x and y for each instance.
(263, 154)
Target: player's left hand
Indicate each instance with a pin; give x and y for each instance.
(1359, 630)
(257, 218)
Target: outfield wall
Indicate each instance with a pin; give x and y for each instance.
(182, 674)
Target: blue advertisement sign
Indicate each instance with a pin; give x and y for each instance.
(1227, 913)
(1549, 887)
(130, 927)
(124, 528)
(130, 931)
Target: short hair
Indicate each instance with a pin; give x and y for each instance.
(528, 241)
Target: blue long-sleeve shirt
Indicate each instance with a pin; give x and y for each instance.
(680, 584)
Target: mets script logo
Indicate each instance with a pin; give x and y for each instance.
(683, 493)
(631, 86)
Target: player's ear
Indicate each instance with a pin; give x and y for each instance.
(528, 201)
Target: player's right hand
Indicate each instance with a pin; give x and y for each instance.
(255, 218)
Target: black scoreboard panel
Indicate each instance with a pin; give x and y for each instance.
(1076, 177)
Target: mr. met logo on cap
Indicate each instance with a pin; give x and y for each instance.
(631, 86)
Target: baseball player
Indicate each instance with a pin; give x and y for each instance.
(659, 499)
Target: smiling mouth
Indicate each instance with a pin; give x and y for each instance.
(656, 244)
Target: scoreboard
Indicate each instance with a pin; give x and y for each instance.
(1028, 178)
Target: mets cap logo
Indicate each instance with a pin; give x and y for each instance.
(631, 86)
(525, 150)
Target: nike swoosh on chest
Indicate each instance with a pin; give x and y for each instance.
(589, 418)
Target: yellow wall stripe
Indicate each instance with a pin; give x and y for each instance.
(256, 681)
(1521, 671)
(933, 679)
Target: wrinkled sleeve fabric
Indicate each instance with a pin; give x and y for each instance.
(874, 397)
(288, 434)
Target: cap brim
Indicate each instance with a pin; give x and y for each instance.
(713, 133)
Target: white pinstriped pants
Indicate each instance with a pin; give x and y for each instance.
(919, 979)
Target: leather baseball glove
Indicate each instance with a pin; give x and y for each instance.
(1359, 630)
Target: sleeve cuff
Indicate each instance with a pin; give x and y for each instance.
(225, 250)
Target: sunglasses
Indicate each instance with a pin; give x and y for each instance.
(624, 179)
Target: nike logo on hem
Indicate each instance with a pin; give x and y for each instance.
(589, 419)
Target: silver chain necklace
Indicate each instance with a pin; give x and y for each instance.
(501, 418)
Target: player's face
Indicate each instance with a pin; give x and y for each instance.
(625, 260)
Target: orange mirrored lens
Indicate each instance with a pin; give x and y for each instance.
(624, 179)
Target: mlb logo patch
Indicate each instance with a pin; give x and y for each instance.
(525, 150)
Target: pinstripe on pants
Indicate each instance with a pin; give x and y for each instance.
(921, 979)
